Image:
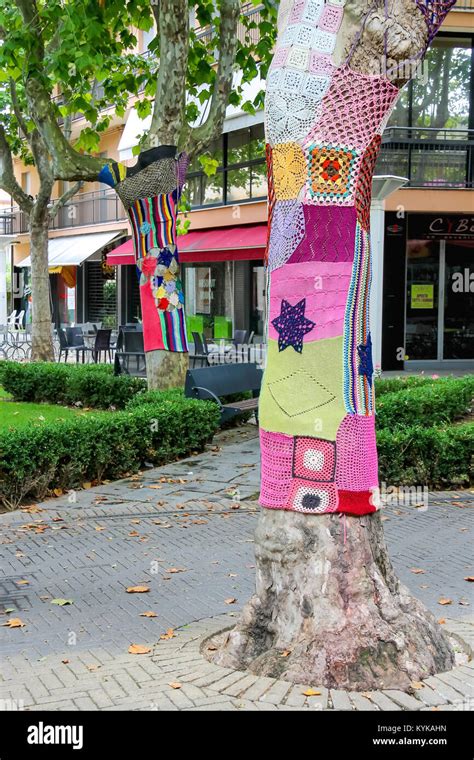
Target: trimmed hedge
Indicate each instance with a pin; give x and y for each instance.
(436, 457)
(435, 403)
(92, 385)
(394, 384)
(107, 446)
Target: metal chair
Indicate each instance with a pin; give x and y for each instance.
(201, 351)
(75, 341)
(101, 345)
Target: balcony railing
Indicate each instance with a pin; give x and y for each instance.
(464, 5)
(429, 157)
(83, 209)
(6, 223)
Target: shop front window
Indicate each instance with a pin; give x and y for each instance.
(422, 299)
(241, 171)
(209, 299)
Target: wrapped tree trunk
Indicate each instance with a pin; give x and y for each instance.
(326, 594)
(150, 191)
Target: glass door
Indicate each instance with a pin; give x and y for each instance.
(458, 328)
(422, 299)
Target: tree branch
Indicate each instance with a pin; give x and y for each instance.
(7, 177)
(172, 18)
(57, 205)
(67, 163)
(200, 137)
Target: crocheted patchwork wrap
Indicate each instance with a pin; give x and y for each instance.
(323, 128)
(150, 193)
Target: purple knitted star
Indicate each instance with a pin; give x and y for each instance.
(292, 325)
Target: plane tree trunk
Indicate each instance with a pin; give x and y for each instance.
(41, 332)
(328, 608)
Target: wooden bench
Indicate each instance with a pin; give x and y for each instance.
(224, 380)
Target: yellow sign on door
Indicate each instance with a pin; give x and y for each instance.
(422, 296)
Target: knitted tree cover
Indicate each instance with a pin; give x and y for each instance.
(150, 191)
(323, 126)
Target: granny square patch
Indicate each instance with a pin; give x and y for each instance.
(312, 498)
(314, 459)
(332, 171)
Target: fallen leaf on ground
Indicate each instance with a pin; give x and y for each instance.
(442, 621)
(148, 614)
(417, 685)
(93, 668)
(230, 600)
(176, 570)
(138, 649)
(137, 589)
(417, 570)
(133, 533)
(285, 653)
(311, 693)
(65, 662)
(469, 578)
(212, 648)
(445, 601)
(32, 509)
(87, 485)
(200, 522)
(99, 527)
(175, 685)
(62, 602)
(170, 634)
(14, 623)
(22, 583)
(58, 491)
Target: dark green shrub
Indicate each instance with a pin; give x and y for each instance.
(69, 453)
(436, 457)
(435, 403)
(92, 385)
(153, 397)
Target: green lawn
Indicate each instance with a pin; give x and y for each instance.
(15, 414)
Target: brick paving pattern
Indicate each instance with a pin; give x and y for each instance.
(196, 516)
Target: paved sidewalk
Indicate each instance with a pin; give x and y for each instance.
(186, 532)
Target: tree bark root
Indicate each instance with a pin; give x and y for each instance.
(329, 609)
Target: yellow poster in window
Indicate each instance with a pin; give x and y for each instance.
(422, 296)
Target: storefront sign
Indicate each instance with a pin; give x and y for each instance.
(441, 227)
(422, 296)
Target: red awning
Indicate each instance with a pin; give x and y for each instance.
(246, 242)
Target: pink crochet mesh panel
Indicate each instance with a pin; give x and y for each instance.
(312, 498)
(324, 287)
(434, 12)
(287, 231)
(330, 234)
(314, 459)
(331, 18)
(356, 461)
(276, 452)
(353, 109)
